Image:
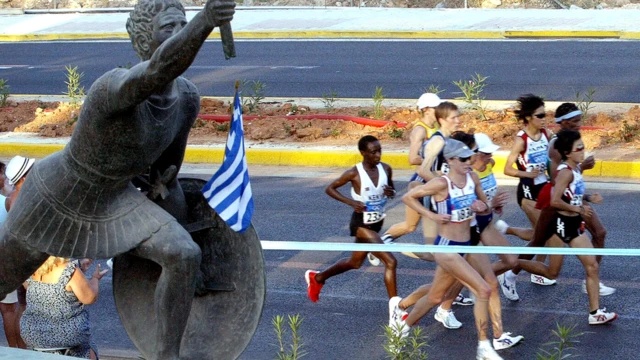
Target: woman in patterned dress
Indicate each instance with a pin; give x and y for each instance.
(55, 316)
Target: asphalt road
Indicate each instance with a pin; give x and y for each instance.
(556, 69)
(347, 321)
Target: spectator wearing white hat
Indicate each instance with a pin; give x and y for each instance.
(16, 173)
(9, 305)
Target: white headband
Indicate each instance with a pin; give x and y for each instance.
(569, 115)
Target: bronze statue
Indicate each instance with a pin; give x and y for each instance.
(81, 203)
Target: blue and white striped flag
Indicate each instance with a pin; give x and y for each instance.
(229, 190)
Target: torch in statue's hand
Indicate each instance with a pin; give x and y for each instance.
(221, 13)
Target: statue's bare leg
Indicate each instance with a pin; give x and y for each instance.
(173, 249)
(19, 261)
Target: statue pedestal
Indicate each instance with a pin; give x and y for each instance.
(7, 353)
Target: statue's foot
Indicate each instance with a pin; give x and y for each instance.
(208, 286)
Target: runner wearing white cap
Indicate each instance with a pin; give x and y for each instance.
(422, 130)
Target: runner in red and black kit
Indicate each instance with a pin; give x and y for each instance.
(569, 212)
(569, 117)
(530, 154)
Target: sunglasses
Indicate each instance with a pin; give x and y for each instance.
(540, 116)
(464, 159)
(579, 149)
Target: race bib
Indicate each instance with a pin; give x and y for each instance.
(538, 161)
(461, 208)
(374, 211)
(489, 186)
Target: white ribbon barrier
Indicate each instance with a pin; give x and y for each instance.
(417, 248)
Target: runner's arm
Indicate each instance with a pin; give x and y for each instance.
(563, 178)
(554, 160)
(390, 188)
(431, 152)
(332, 190)
(509, 170)
(480, 195)
(416, 139)
(433, 187)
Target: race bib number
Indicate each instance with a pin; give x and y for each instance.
(374, 211)
(538, 161)
(461, 208)
(489, 186)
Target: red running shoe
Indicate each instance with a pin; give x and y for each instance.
(313, 287)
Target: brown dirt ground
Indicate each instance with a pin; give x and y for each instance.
(619, 139)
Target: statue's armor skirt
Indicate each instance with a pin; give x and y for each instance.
(67, 210)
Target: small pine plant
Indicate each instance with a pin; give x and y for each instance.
(434, 89)
(378, 97)
(566, 340)
(291, 350)
(255, 96)
(4, 92)
(472, 92)
(329, 99)
(410, 347)
(75, 91)
(584, 101)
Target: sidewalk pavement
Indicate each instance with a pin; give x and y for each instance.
(337, 22)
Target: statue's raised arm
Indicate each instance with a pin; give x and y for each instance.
(167, 45)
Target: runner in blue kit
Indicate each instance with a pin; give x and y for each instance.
(372, 185)
(457, 196)
(567, 225)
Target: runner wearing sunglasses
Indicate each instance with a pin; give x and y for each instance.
(568, 225)
(569, 117)
(457, 196)
(530, 154)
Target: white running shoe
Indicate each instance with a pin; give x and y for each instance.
(463, 301)
(487, 353)
(501, 226)
(373, 260)
(508, 288)
(447, 318)
(388, 239)
(602, 317)
(506, 341)
(396, 315)
(604, 290)
(541, 280)
(401, 329)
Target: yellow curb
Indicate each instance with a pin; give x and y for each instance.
(329, 34)
(9, 150)
(563, 34)
(317, 158)
(49, 37)
(349, 34)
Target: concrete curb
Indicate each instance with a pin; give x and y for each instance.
(317, 158)
(343, 34)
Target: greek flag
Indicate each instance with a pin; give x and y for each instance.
(229, 191)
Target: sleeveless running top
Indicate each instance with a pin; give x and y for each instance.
(430, 131)
(488, 181)
(535, 155)
(371, 195)
(440, 163)
(574, 192)
(458, 202)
